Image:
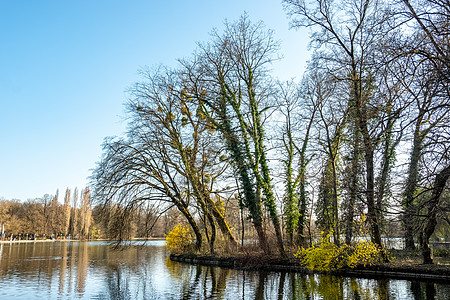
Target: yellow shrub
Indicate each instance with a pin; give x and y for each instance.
(326, 256)
(365, 253)
(179, 239)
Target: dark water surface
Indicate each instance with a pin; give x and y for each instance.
(93, 270)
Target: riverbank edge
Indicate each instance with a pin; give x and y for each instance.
(70, 240)
(36, 241)
(409, 272)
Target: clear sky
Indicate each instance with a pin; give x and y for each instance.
(65, 67)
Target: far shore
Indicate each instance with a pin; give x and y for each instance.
(35, 241)
(71, 240)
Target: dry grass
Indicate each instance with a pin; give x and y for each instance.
(404, 257)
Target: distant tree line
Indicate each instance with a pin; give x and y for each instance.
(47, 216)
(73, 217)
(364, 135)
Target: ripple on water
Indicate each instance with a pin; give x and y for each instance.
(93, 270)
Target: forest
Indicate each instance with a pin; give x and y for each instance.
(360, 142)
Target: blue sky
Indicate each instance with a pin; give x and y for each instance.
(65, 67)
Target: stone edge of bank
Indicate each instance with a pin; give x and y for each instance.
(412, 272)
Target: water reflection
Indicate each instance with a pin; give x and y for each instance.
(80, 270)
(215, 283)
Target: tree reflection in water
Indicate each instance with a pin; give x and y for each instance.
(94, 270)
(424, 290)
(280, 285)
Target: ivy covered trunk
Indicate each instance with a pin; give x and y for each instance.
(237, 153)
(411, 185)
(264, 179)
(291, 198)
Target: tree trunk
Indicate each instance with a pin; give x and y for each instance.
(362, 121)
(290, 198)
(411, 183)
(203, 197)
(263, 179)
(354, 171)
(250, 201)
(223, 225)
(194, 226)
(261, 236)
(386, 166)
(213, 232)
(336, 233)
(371, 209)
(302, 212)
(302, 199)
(431, 219)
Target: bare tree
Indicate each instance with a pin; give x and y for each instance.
(85, 212)
(189, 135)
(345, 38)
(432, 205)
(233, 68)
(424, 55)
(131, 174)
(74, 217)
(67, 211)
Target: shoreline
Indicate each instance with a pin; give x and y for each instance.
(71, 240)
(436, 273)
(35, 241)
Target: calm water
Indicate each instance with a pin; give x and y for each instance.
(93, 270)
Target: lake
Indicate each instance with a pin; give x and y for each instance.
(94, 270)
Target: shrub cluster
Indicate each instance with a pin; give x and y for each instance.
(327, 256)
(179, 239)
